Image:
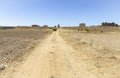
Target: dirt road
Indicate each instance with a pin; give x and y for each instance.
(53, 58)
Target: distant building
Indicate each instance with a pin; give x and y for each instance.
(45, 25)
(35, 25)
(82, 25)
(106, 24)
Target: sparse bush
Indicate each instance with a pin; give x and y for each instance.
(101, 31)
(87, 30)
(54, 29)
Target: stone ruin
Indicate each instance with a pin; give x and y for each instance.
(35, 25)
(81, 26)
(110, 24)
(45, 26)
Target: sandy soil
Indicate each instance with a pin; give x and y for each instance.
(53, 58)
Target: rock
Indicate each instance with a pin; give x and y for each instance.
(2, 67)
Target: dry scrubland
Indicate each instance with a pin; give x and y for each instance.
(15, 43)
(100, 51)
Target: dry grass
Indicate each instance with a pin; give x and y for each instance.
(100, 51)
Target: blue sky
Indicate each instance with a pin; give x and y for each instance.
(53, 12)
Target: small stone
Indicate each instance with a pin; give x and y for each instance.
(2, 67)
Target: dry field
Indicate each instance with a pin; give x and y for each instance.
(14, 43)
(62, 54)
(100, 51)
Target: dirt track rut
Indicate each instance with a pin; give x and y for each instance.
(53, 58)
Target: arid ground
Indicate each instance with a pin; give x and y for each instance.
(59, 54)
